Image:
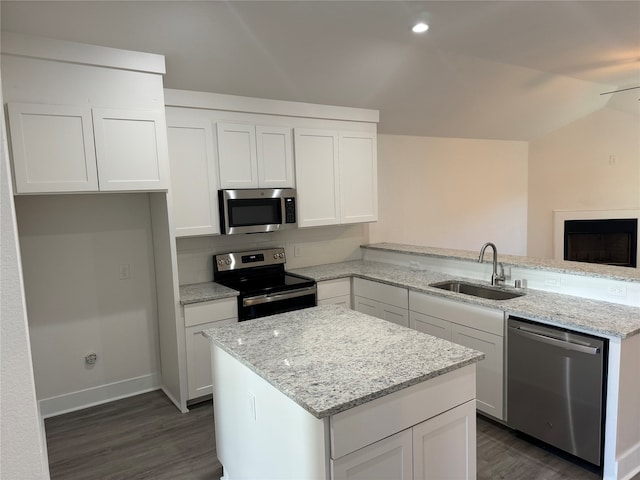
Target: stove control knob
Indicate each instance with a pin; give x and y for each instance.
(228, 262)
(275, 256)
(220, 262)
(281, 255)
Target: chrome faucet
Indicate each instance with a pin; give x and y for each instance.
(495, 277)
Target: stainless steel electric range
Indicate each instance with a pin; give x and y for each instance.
(264, 285)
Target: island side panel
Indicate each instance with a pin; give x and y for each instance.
(628, 428)
(261, 433)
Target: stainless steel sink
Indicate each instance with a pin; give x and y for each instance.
(491, 293)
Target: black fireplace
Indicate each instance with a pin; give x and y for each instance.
(610, 242)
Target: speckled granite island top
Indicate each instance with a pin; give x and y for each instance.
(329, 359)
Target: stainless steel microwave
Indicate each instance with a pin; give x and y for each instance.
(254, 210)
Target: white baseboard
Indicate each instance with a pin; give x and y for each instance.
(182, 408)
(69, 402)
(629, 463)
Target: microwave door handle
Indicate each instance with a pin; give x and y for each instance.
(268, 298)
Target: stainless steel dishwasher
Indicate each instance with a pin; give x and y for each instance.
(556, 387)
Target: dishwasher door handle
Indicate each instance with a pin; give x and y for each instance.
(576, 347)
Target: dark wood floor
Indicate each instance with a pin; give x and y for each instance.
(141, 437)
(146, 437)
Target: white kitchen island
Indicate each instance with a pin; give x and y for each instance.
(330, 393)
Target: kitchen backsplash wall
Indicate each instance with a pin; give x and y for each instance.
(303, 247)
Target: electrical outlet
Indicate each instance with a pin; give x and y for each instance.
(617, 290)
(297, 251)
(124, 271)
(552, 282)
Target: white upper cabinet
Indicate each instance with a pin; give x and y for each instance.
(254, 156)
(53, 148)
(358, 177)
(336, 177)
(194, 177)
(237, 155)
(317, 177)
(131, 149)
(67, 148)
(83, 118)
(275, 157)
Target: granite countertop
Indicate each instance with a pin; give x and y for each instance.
(560, 266)
(581, 314)
(203, 292)
(329, 359)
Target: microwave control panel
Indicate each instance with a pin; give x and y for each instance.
(290, 209)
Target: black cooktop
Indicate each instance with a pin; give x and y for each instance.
(258, 284)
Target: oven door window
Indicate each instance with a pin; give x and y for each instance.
(254, 211)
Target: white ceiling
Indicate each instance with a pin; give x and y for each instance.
(509, 70)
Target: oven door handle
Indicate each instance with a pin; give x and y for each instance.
(536, 336)
(268, 298)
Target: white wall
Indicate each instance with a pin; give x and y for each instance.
(452, 193)
(303, 247)
(73, 247)
(571, 169)
(23, 448)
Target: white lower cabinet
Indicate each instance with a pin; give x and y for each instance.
(489, 388)
(471, 326)
(199, 317)
(444, 447)
(390, 458)
(381, 300)
(335, 292)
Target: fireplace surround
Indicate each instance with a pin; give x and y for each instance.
(606, 241)
(601, 237)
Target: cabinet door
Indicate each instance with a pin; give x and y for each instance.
(131, 149)
(317, 177)
(365, 305)
(237, 155)
(358, 177)
(194, 178)
(53, 148)
(199, 377)
(444, 447)
(489, 374)
(275, 157)
(431, 325)
(386, 459)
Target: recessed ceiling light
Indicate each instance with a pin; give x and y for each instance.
(420, 27)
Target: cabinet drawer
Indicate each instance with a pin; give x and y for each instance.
(334, 288)
(342, 300)
(205, 312)
(473, 316)
(377, 419)
(430, 325)
(381, 292)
